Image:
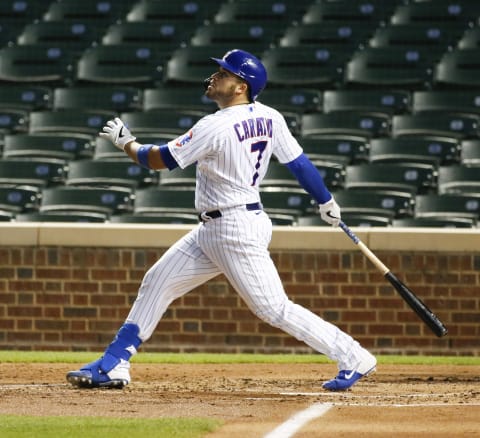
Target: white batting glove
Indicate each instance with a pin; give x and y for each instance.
(330, 212)
(116, 131)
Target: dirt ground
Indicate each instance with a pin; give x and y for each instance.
(254, 400)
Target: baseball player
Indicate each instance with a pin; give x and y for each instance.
(231, 149)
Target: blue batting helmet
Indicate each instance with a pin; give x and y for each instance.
(247, 67)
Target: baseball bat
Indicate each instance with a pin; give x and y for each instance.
(417, 305)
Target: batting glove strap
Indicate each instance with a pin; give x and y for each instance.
(330, 212)
(116, 131)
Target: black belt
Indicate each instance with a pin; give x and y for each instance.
(215, 214)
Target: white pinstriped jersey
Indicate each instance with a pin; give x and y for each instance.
(232, 149)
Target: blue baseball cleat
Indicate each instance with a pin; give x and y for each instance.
(347, 378)
(92, 376)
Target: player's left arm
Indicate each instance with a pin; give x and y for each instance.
(310, 179)
(147, 155)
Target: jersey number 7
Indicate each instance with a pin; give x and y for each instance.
(259, 147)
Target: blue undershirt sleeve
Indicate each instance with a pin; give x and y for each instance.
(167, 157)
(309, 178)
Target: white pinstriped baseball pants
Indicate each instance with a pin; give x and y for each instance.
(236, 245)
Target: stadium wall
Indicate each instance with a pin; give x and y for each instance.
(70, 286)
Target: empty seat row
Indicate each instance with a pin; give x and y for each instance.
(169, 122)
(338, 148)
(285, 206)
(123, 98)
(407, 177)
(322, 67)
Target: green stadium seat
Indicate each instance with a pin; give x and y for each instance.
(434, 222)
(161, 122)
(278, 175)
(13, 120)
(285, 204)
(347, 35)
(165, 35)
(74, 199)
(139, 65)
(64, 216)
(453, 102)
(448, 205)
(6, 216)
(253, 34)
(164, 201)
(99, 12)
(38, 172)
(382, 101)
(339, 148)
(470, 39)
(171, 218)
(115, 98)
(436, 123)
(358, 123)
(69, 121)
(459, 68)
(64, 147)
(441, 35)
(458, 179)
(304, 66)
(25, 97)
(104, 149)
(37, 64)
(438, 11)
(77, 35)
(293, 100)
(21, 12)
(391, 67)
(369, 12)
(9, 30)
(112, 173)
(189, 12)
(19, 199)
(266, 11)
(188, 98)
(470, 152)
(406, 177)
(429, 150)
(178, 177)
(387, 203)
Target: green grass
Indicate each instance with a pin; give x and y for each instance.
(206, 358)
(13, 426)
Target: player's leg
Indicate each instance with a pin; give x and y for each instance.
(179, 270)
(244, 258)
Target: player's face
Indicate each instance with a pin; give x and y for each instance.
(225, 87)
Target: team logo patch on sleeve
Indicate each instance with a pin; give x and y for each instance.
(181, 141)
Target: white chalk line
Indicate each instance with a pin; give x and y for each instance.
(298, 420)
(32, 385)
(340, 394)
(315, 411)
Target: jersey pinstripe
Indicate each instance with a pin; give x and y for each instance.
(232, 149)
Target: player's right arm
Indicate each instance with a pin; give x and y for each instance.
(147, 155)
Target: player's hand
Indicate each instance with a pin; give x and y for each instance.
(116, 131)
(330, 212)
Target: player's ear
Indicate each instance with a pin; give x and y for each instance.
(242, 88)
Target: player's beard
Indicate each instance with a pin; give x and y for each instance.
(218, 96)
